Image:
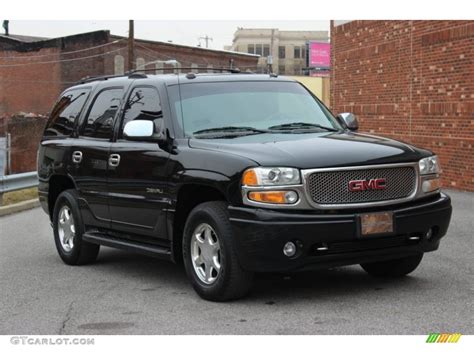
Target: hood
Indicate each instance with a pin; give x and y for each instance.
(315, 150)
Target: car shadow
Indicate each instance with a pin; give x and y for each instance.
(269, 288)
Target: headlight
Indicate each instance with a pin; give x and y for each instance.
(429, 165)
(271, 176)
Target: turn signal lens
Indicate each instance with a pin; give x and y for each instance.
(430, 185)
(278, 197)
(250, 178)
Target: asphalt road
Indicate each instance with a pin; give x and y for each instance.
(125, 293)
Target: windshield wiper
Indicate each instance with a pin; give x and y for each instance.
(230, 129)
(300, 125)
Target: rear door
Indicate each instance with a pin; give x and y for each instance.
(90, 154)
(137, 177)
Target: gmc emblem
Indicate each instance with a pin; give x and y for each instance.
(364, 185)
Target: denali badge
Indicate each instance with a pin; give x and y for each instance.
(364, 185)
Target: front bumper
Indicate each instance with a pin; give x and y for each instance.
(260, 234)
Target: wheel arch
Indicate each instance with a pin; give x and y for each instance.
(188, 197)
(58, 184)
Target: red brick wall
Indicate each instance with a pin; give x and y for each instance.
(413, 81)
(153, 51)
(26, 133)
(28, 81)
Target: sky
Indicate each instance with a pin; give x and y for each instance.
(178, 31)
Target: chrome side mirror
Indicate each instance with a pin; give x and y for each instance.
(349, 120)
(143, 130)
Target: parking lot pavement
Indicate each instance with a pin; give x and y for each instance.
(124, 293)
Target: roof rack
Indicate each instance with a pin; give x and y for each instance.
(229, 70)
(139, 73)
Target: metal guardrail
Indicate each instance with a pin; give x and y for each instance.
(16, 182)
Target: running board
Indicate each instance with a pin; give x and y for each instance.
(129, 245)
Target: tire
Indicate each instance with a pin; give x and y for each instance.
(77, 251)
(230, 281)
(393, 268)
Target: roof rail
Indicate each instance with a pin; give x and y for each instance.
(229, 70)
(131, 74)
(139, 73)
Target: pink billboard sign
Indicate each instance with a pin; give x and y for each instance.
(319, 54)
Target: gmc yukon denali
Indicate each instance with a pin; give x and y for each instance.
(232, 173)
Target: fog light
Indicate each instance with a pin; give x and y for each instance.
(430, 185)
(289, 249)
(429, 234)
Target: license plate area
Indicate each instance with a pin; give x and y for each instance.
(379, 223)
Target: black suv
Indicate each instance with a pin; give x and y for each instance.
(232, 174)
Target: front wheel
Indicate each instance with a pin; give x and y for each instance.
(209, 254)
(393, 268)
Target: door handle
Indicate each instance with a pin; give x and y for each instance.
(77, 157)
(114, 159)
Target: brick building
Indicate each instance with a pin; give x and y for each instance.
(413, 81)
(33, 70)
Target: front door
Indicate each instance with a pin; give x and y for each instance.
(137, 173)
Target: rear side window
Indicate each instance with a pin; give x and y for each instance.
(65, 113)
(143, 104)
(99, 122)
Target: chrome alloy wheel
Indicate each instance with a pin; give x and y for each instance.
(205, 253)
(66, 228)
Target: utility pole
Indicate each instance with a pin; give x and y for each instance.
(131, 49)
(270, 57)
(207, 39)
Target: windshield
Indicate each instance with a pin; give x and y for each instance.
(266, 106)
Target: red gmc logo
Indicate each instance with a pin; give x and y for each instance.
(364, 185)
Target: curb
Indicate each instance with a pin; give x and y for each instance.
(18, 207)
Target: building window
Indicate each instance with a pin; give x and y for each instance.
(140, 64)
(258, 49)
(281, 69)
(210, 68)
(266, 50)
(281, 52)
(119, 66)
(303, 52)
(159, 68)
(195, 68)
(251, 48)
(297, 52)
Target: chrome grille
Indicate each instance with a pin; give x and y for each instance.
(332, 187)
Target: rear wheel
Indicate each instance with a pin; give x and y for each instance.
(209, 254)
(68, 229)
(393, 268)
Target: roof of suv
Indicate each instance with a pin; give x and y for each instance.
(173, 79)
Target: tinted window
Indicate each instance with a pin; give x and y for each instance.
(100, 120)
(143, 104)
(64, 114)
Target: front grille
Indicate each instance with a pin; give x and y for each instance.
(332, 187)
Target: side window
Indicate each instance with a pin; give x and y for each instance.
(143, 104)
(64, 114)
(100, 120)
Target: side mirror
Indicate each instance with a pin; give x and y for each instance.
(144, 130)
(349, 120)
